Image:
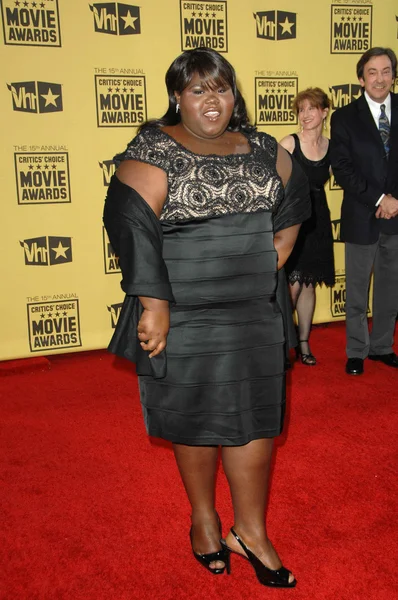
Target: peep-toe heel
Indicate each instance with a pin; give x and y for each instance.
(206, 559)
(278, 578)
(222, 555)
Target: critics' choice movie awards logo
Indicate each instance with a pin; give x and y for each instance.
(351, 29)
(31, 23)
(111, 261)
(53, 325)
(116, 18)
(47, 250)
(115, 310)
(108, 168)
(338, 297)
(36, 96)
(42, 177)
(204, 24)
(276, 25)
(274, 100)
(121, 101)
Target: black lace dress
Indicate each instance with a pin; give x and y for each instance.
(225, 380)
(312, 259)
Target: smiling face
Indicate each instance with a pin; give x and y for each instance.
(377, 77)
(311, 116)
(206, 107)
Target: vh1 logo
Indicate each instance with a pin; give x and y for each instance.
(36, 96)
(108, 168)
(47, 250)
(336, 230)
(344, 94)
(115, 310)
(115, 18)
(276, 25)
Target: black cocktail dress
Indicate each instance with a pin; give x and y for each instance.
(223, 380)
(312, 259)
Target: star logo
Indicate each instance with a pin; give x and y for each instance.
(50, 98)
(129, 20)
(286, 26)
(60, 250)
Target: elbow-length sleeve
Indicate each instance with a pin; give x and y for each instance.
(136, 236)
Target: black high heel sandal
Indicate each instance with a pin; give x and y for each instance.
(278, 578)
(221, 555)
(307, 359)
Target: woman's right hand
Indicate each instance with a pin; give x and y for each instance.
(153, 325)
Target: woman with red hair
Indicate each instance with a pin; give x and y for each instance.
(312, 260)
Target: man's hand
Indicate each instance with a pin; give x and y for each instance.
(388, 208)
(153, 326)
(380, 214)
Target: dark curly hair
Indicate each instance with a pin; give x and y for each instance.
(214, 70)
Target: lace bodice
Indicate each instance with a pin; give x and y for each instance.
(202, 186)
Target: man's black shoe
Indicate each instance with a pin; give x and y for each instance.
(391, 360)
(354, 366)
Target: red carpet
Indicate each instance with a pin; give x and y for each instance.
(92, 509)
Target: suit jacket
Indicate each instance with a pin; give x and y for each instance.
(363, 170)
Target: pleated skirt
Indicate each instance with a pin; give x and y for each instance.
(225, 381)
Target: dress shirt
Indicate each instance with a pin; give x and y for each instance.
(374, 108)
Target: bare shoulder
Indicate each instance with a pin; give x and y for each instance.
(149, 181)
(288, 143)
(283, 164)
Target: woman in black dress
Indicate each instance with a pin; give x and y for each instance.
(312, 259)
(202, 211)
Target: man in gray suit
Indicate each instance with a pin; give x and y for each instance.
(364, 157)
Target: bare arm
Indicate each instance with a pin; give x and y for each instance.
(288, 143)
(285, 239)
(151, 183)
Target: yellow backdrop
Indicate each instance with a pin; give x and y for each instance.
(79, 77)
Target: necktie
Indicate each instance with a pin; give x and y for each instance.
(384, 128)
